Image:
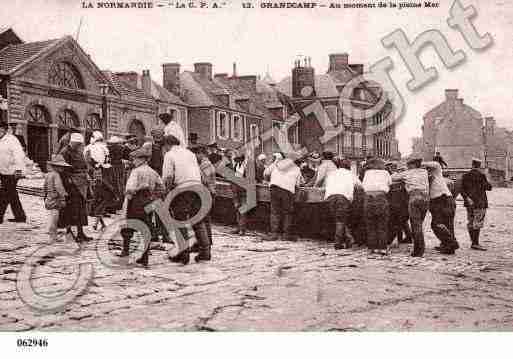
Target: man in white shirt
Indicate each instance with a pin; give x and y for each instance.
(284, 176)
(376, 184)
(441, 208)
(181, 170)
(12, 163)
(339, 192)
(173, 128)
(416, 182)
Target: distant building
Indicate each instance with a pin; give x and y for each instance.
(460, 132)
(52, 86)
(355, 142)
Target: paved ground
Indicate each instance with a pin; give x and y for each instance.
(255, 285)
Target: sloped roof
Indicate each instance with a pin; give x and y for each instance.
(13, 56)
(123, 87)
(158, 92)
(201, 91)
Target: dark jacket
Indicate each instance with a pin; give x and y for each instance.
(474, 186)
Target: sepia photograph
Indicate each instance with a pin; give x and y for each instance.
(253, 167)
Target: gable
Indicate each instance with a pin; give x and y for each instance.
(68, 55)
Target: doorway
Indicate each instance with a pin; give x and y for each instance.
(37, 145)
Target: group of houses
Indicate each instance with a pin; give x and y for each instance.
(51, 86)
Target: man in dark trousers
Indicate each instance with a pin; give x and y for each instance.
(11, 167)
(474, 186)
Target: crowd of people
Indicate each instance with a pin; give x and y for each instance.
(370, 208)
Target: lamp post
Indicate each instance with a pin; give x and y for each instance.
(104, 88)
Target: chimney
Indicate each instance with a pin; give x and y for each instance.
(357, 68)
(338, 62)
(146, 82)
(451, 94)
(490, 123)
(234, 74)
(204, 69)
(171, 77)
(130, 78)
(248, 83)
(303, 80)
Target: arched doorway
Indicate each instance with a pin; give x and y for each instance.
(92, 123)
(66, 120)
(137, 128)
(38, 149)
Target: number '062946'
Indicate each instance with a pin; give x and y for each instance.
(32, 342)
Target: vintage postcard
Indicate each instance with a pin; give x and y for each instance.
(255, 166)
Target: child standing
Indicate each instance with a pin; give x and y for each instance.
(144, 185)
(55, 193)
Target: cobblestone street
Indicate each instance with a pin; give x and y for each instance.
(255, 285)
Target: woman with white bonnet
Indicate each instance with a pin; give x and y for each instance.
(76, 183)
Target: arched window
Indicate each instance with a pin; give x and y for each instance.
(67, 119)
(37, 115)
(63, 74)
(93, 122)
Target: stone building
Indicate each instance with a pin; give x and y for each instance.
(459, 132)
(355, 142)
(53, 85)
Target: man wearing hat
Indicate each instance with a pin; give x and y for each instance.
(12, 163)
(474, 187)
(143, 186)
(55, 193)
(416, 183)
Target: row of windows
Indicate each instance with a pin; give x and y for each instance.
(65, 119)
(234, 128)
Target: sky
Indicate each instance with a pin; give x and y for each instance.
(261, 40)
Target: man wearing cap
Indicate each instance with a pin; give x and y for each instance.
(76, 184)
(441, 208)
(181, 170)
(284, 177)
(474, 187)
(416, 183)
(12, 163)
(340, 186)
